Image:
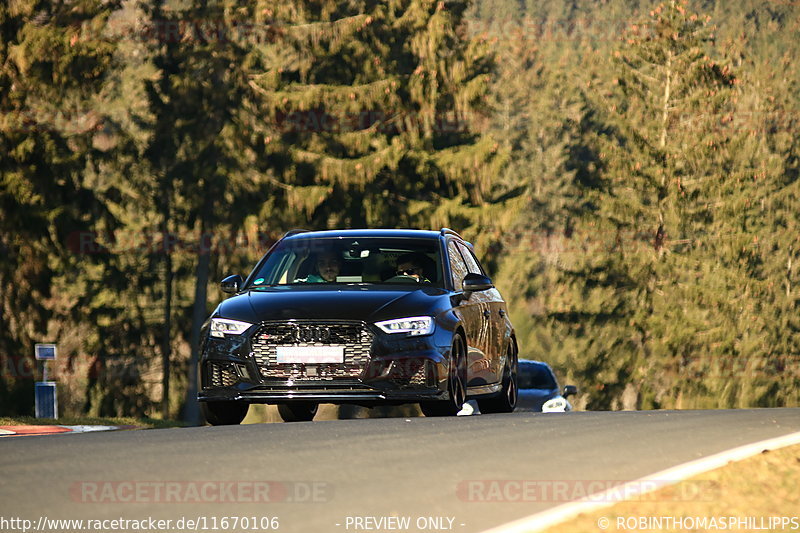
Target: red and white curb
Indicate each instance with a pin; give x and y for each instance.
(632, 489)
(21, 431)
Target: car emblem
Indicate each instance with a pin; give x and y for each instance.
(312, 334)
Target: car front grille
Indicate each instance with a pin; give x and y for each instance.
(354, 337)
(221, 374)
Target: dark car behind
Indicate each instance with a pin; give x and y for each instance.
(539, 389)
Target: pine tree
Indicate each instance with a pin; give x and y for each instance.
(701, 311)
(48, 136)
(368, 111)
(196, 111)
(633, 295)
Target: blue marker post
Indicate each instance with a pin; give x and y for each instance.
(45, 391)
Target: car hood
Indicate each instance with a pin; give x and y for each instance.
(343, 303)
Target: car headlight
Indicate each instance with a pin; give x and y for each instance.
(555, 405)
(414, 325)
(220, 326)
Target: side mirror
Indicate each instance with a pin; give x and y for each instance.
(476, 282)
(570, 390)
(231, 284)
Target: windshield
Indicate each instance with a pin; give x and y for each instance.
(535, 377)
(363, 260)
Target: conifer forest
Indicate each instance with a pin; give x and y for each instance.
(628, 171)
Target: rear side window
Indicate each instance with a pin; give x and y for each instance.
(458, 267)
(472, 262)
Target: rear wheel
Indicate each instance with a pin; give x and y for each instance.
(506, 399)
(224, 413)
(298, 412)
(456, 384)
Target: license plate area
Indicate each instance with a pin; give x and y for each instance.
(309, 354)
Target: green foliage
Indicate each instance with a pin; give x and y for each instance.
(645, 270)
(188, 133)
(47, 81)
(367, 110)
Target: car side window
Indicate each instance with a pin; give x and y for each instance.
(457, 266)
(472, 262)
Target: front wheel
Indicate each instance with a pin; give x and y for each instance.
(456, 384)
(506, 399)
(224, 413)
(298, 412)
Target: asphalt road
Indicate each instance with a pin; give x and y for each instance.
(418, 468)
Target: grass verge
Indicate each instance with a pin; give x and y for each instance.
(749, 495)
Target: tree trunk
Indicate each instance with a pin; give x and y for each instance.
(191, 411)
(166, 347)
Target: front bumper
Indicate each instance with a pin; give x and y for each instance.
(321, 393)
(387, 369)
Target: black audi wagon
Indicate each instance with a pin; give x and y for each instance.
(365, 317)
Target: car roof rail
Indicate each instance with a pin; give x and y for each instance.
(294, 231)
(448, 231)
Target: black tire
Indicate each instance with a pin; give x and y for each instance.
(456, 383)
(224, 413)
(506, 399)
(298, 411)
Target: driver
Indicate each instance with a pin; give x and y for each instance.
(412, 265)
(328, 264)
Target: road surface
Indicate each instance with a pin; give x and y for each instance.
(461, 474)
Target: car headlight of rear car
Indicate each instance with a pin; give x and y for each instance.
(220, 326)
(413, 325)
(555, 405)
